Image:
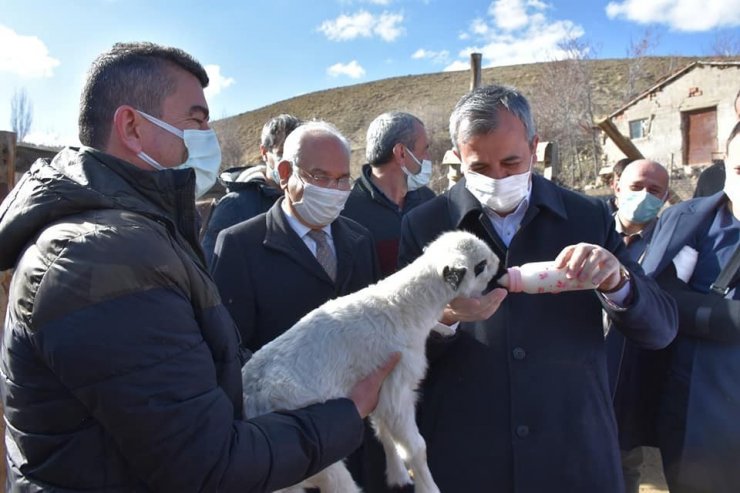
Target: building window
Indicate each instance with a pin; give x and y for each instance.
(638, 128)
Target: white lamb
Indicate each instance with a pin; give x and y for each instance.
(323, 355)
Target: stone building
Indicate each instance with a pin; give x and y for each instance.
(683, 120)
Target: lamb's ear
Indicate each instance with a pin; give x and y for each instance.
(453, 275)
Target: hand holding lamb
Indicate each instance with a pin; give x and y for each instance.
(333, 347)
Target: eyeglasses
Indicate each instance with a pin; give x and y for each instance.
(323, 181)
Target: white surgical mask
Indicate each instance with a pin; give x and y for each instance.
(204, 154)
(319, 206)
(420, 179)
(272, 169)
(639, 206)
(502, 194)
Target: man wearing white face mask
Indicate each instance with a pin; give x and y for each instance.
(517, 398)
(392, 183)
(121, 367)
(641, 191)
(250, 190)
(281, 254)
(278, 255)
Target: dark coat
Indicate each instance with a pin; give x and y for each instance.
(699, 417)
(243, 200)
(120, 366)
(369, 206)
(269, 279)
(520, 402)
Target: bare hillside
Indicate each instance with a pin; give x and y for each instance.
(430, 97)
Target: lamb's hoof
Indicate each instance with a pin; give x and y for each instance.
(398, 478)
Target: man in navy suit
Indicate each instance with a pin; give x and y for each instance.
(698, 422)
(518, 399)
(641, 191)
(267, 268)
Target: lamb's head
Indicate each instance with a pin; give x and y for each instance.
(464, 261)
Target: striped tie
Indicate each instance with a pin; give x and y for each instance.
(324, 253)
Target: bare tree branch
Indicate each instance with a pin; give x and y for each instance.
(21, 114)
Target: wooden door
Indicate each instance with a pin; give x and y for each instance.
(700, 135)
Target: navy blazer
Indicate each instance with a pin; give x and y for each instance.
(521, 402)
(698, 427)
(269, 279)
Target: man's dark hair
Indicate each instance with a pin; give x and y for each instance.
(386, 131)
(733, 134)
(619, 167)
(135, 74)
(479, 109)
(277, 129)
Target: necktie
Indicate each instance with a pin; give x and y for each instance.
(324, 253)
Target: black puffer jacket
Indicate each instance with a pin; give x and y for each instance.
(120, 367)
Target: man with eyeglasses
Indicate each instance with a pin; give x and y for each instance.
(251, 190)
(278, 255)
(392, 183)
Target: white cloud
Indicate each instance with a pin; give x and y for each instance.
(457, 65)
(387, 26)
(217, 82)
(682, 15)
(26, 56)
(51, 138)
(515, 32)
(509, 15)
(442, 56)
(352, 70)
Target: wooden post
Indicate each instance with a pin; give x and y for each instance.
(623, 143)
(7, 163)
(475, 70)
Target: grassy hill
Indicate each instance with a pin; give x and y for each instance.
(430, 97)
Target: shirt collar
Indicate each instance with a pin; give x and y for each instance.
(297, 226)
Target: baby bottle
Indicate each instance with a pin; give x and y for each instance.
(540, 277)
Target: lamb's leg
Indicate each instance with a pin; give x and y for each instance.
(397, 412)
(396, 473)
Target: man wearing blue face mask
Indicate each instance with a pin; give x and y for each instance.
(121, 368)
(641, 191)
(394, 181)
(516, 398)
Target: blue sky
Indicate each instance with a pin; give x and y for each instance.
(258, 52)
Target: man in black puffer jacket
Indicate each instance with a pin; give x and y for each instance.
(120, 366)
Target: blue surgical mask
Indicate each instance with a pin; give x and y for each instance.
(204, 154)
(420, 179)
(639, 206)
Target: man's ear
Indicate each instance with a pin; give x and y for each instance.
(263, 153)
(284, 169)
(453, 275)
(125, 131)
(399, 153)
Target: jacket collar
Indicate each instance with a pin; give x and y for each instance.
(279, 235)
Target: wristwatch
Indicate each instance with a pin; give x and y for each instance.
(624, 277)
